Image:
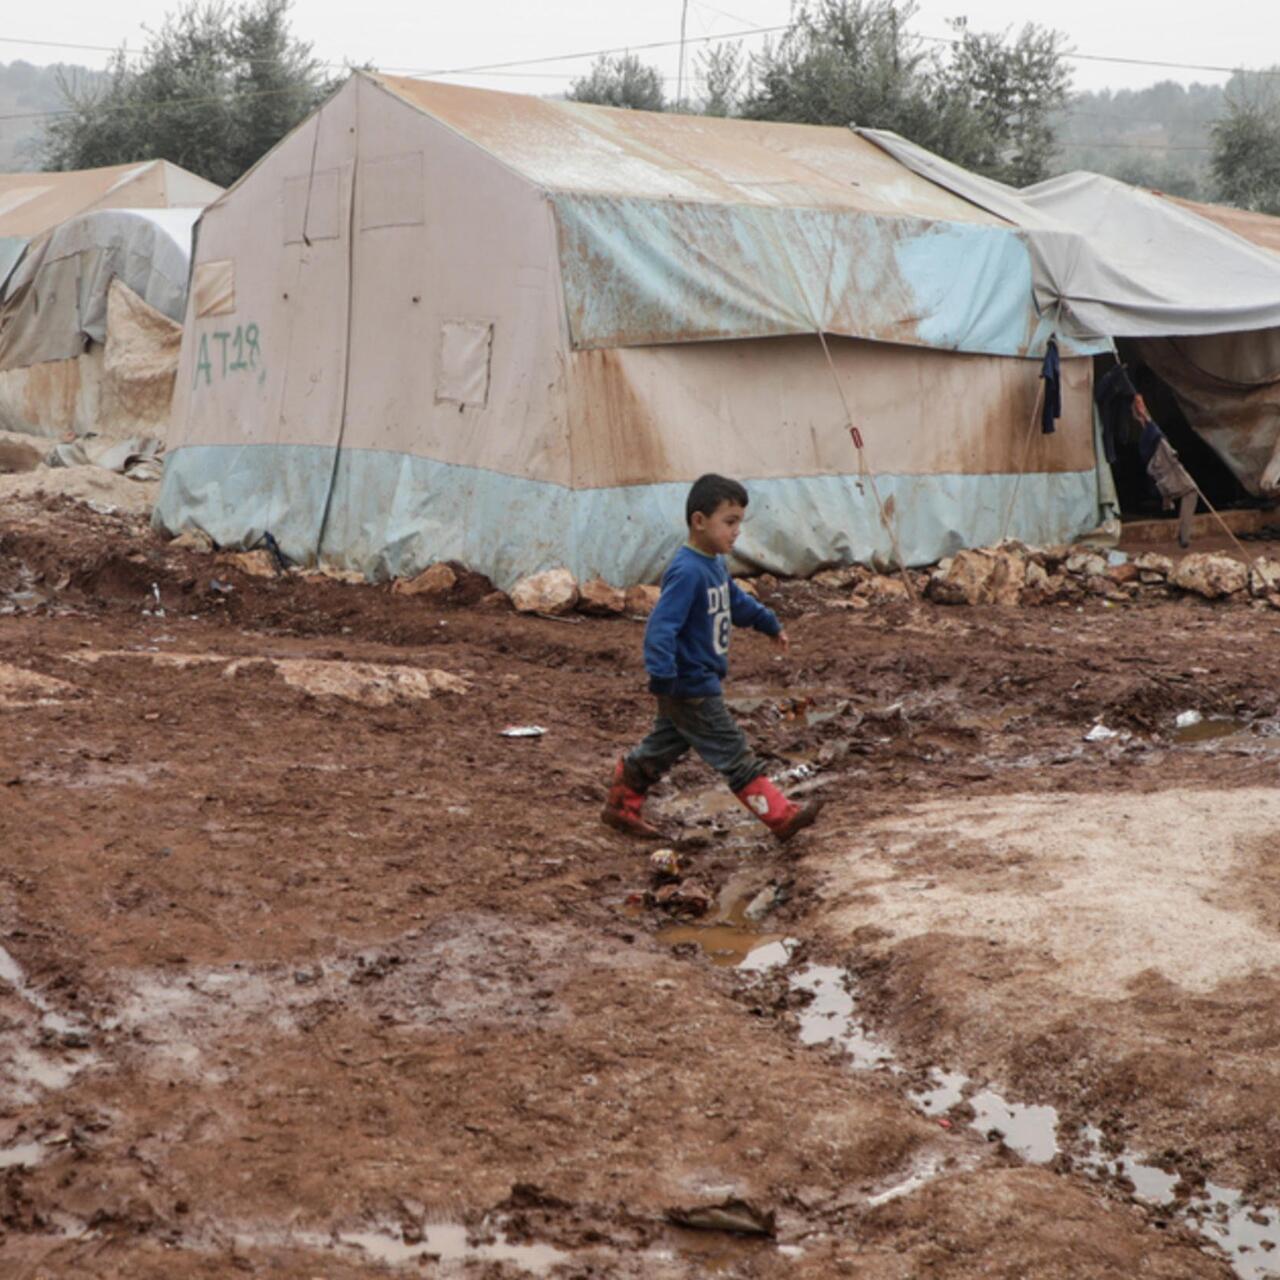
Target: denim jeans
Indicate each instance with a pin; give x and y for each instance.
(705, 724)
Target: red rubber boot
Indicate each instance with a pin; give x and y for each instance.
(622, 808)
(782, 816)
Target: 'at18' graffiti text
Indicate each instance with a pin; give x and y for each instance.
(227, 352)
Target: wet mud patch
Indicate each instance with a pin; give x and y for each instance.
(370, 684)
(460, 974)
(22, 689)
(1137, 991)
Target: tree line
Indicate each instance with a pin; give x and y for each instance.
(220, 83)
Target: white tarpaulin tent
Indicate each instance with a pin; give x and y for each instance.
(90, 324)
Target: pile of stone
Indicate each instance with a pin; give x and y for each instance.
(1013, 573)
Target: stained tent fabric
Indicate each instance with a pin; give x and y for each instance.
(445, 323)
(90, 321)
(55, 300)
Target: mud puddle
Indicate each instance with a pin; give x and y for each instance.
(12, 974)
(734, 937)
(449, 1245)
(1247, 1234)
(1191, 728)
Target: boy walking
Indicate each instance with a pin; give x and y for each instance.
(686, 653)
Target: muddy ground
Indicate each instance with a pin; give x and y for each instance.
(308, 971)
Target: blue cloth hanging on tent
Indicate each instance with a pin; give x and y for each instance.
(1051, 372)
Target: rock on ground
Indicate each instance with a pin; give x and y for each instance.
(1210, 574)
(554, 592)
(600, 598)
(435, 581)
(979, 577)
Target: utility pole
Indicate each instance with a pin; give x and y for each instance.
(684, 14)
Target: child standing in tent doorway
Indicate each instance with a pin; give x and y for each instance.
(686, 653)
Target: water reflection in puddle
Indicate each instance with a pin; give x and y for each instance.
(830, 1018)
(1031, 1131)
(1210, 730)
(1248, 1234)
(11, 973)
(448, 1243)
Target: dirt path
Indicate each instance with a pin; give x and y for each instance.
(306, 970)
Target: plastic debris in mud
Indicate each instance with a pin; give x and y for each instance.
(1100, 733)
(664, 864)
(523, 731)
(740, 1217)
(1185, 719)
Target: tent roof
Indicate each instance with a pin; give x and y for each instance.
(1121, 261)
(1258, 228)
(579, 148)
(33, 202)
(676, 228)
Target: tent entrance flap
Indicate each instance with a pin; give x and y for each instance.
(1136, 489)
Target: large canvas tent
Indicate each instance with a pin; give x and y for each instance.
(444, 323)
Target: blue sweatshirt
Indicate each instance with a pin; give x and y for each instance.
(686, 644)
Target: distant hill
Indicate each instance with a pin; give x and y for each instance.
(1157, 137)
(24, 91)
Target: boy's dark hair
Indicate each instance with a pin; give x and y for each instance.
(709, 492)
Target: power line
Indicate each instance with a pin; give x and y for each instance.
(1119, 60)
(1136, 62)
(593, 53)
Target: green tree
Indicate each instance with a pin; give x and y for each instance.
(723, 72)
(620, 82)
(1016, 90)
(1246, 144)
(215, 88)
(988, 105)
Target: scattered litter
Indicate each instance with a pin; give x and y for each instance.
(281, 561)
(154, 608)
(523, 731)
(685, 898)
(762, 903)
(220, 587)
(1187, 718)
(797, 773)
(1100, 733)
(664, 863)
(738, 1216)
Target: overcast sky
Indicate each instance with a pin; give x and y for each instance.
(442, 35)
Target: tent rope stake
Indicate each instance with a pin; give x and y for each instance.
(886, 519)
